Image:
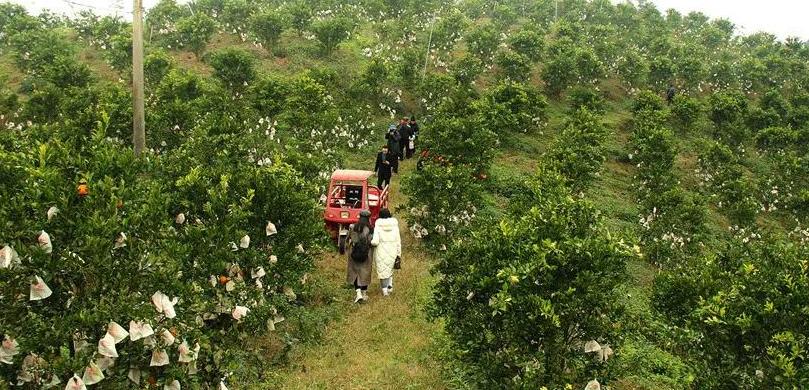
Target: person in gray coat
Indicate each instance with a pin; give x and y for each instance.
(360, 256)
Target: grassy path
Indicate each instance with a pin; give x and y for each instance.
(386, 342)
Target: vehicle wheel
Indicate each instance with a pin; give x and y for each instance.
(341, 244)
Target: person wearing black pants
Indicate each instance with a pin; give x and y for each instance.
(384, 167)
(404, 133)
(394, 140)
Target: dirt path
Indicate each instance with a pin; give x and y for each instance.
(384, 343)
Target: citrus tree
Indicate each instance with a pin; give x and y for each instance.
(521, 297)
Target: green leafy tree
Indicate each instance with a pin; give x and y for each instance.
(268, 95)
(155, 66)
(195, 31)
(483, 40)
(544, 277)
(745, 305)
(727, 109)
(236, 68)
(331, 32)
(687, 111)
(579, 153)
(268, 27)
(528, 43)
(513, 66)
(300, 15)
(466, 69)
(375, 74)
(513, 107)
(586, 98)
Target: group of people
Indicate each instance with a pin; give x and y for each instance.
(380, 245)
(400, 145)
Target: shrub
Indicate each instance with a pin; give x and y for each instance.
(195, 31)
(111, 250)
(300, 15)
(511, 293)
(444, 199)
(586, 98)
(268, 27)
(234, 67)
(513, 107)
(482, 41)
(461, 141)
(528, 43)
(726, 110)
(579, 152)
(775, 138)
(331, 32)
(466, 69)
(156, 65)
(745, 304)
(687, 111)
(513, 66)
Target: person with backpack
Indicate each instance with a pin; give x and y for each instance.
(360, 256)
(387, 245)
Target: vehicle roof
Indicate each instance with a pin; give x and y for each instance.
(351, 174)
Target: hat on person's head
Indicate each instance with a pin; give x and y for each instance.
(365, 214)
(392, 127)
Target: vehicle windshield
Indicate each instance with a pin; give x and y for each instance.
(346, 194)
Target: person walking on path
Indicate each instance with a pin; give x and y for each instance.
(394, 140)
(404, 133)
(388, 248)
(360, 256)
(383, 167)
(414, 133)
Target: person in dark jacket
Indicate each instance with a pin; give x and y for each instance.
(414, 133)
(394, 141)
(404, 133)
(670, 93)
(383, 167)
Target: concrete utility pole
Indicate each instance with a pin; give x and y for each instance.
(138, 121)
(556, 10)
(429, 46)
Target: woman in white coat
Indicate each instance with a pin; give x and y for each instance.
(388, 245)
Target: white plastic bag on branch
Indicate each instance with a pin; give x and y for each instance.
(164, 305)
(271, 230)
(106, 346)
(117, 332)
(167, 338)
(239, 312)
(159, 358)
(139, 330)
(75, 383)
(92, 374)
(8, 349)
(8, 257)
(39, 290)
(44, 240)
(52, 212)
